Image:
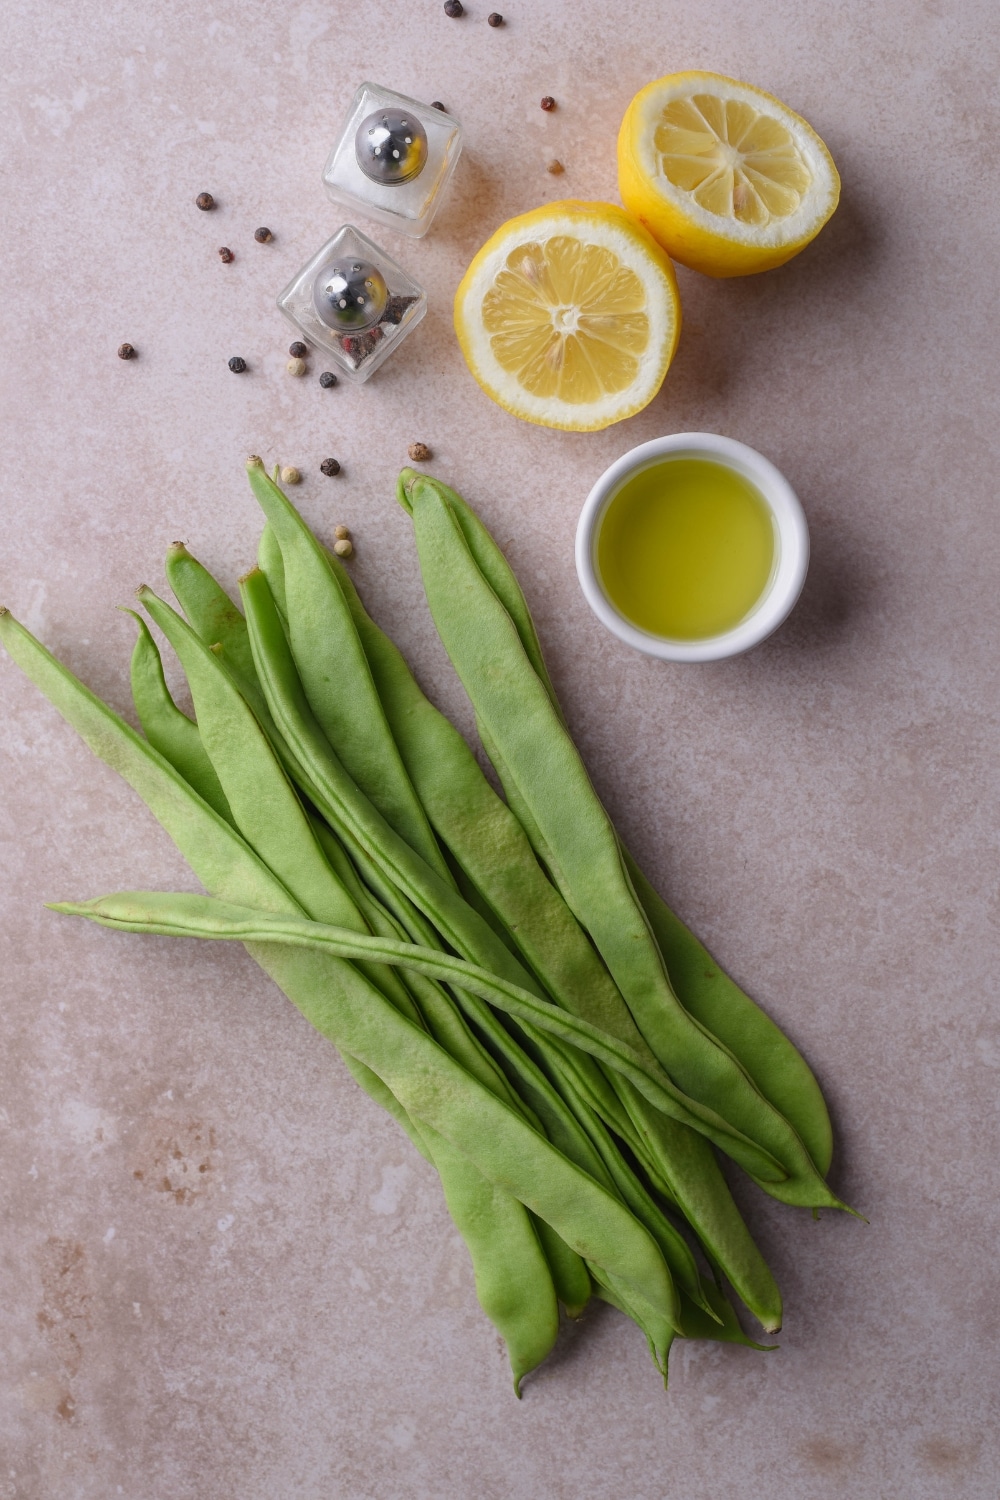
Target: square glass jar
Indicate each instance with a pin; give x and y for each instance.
(379, 306)
(392, 174)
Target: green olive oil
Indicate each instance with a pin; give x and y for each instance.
(686, 548)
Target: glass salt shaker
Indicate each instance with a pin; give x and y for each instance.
(354, 302)
(392, 159)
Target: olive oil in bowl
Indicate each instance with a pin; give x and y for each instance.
(686, 547)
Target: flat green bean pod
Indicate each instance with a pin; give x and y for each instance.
(516, 711)
(341, 1003)
(166, 728)
(341, 800)
(776, 1066)
(202, 916)
(512, 1276)
(336, 676)
(514, 1284)
(485, 836)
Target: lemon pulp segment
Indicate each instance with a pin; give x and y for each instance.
(568, 319)
(732, 159)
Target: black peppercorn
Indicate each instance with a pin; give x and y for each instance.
(494, 19)
(125, 351)
(237, 365)
(263, 236)
(436, 104)
(327, 379)
(298, 350)
(548, 102)
(454, 8)
(329, 466)
(205, 201)
(225, 254)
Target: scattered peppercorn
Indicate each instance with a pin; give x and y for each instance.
(225, 254)
(329, 467)
(298, 350)
(327, 379)
(237, 365)
(254, 461)
(341, 533)
(454, 8)
(291, 475)
(436, 104)
(205, 201)
(555, 167)
(125, 351)
(494, 19)
(419, 453)
(343, 548)
(548, 102)
(296, 367)
(263, 236)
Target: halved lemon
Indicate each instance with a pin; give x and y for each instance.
(569, 316)
(727, 178)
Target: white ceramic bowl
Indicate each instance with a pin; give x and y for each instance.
(791, 536)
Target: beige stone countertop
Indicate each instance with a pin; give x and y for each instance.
(224, 1274)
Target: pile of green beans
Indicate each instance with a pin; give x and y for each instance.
(495, 971)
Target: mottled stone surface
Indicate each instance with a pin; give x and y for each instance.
(224, 1275)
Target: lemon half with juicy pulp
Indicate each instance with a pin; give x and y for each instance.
(569, 316)
(727, 178)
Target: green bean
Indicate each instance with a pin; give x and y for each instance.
(675, 1249)
(569, 1273)
(168, 729)
(210, 611)
(266, 808)
(693, 1176)
(514, 1284)
(486, 839)
(270, 562)
(496, 570)
(201, 916)
(338, 1000)
(539, 757)
(610, 1289)
(527, 1088)
(269, 813)
(510, 1256)
(272, 557)
(264, 803)
(340, 800)
(720, 1325)
(777, 1068)
(242, 925)
(779, 1071)
(482, 832)
(440, 1015)
(336, 676)
(336, 794)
